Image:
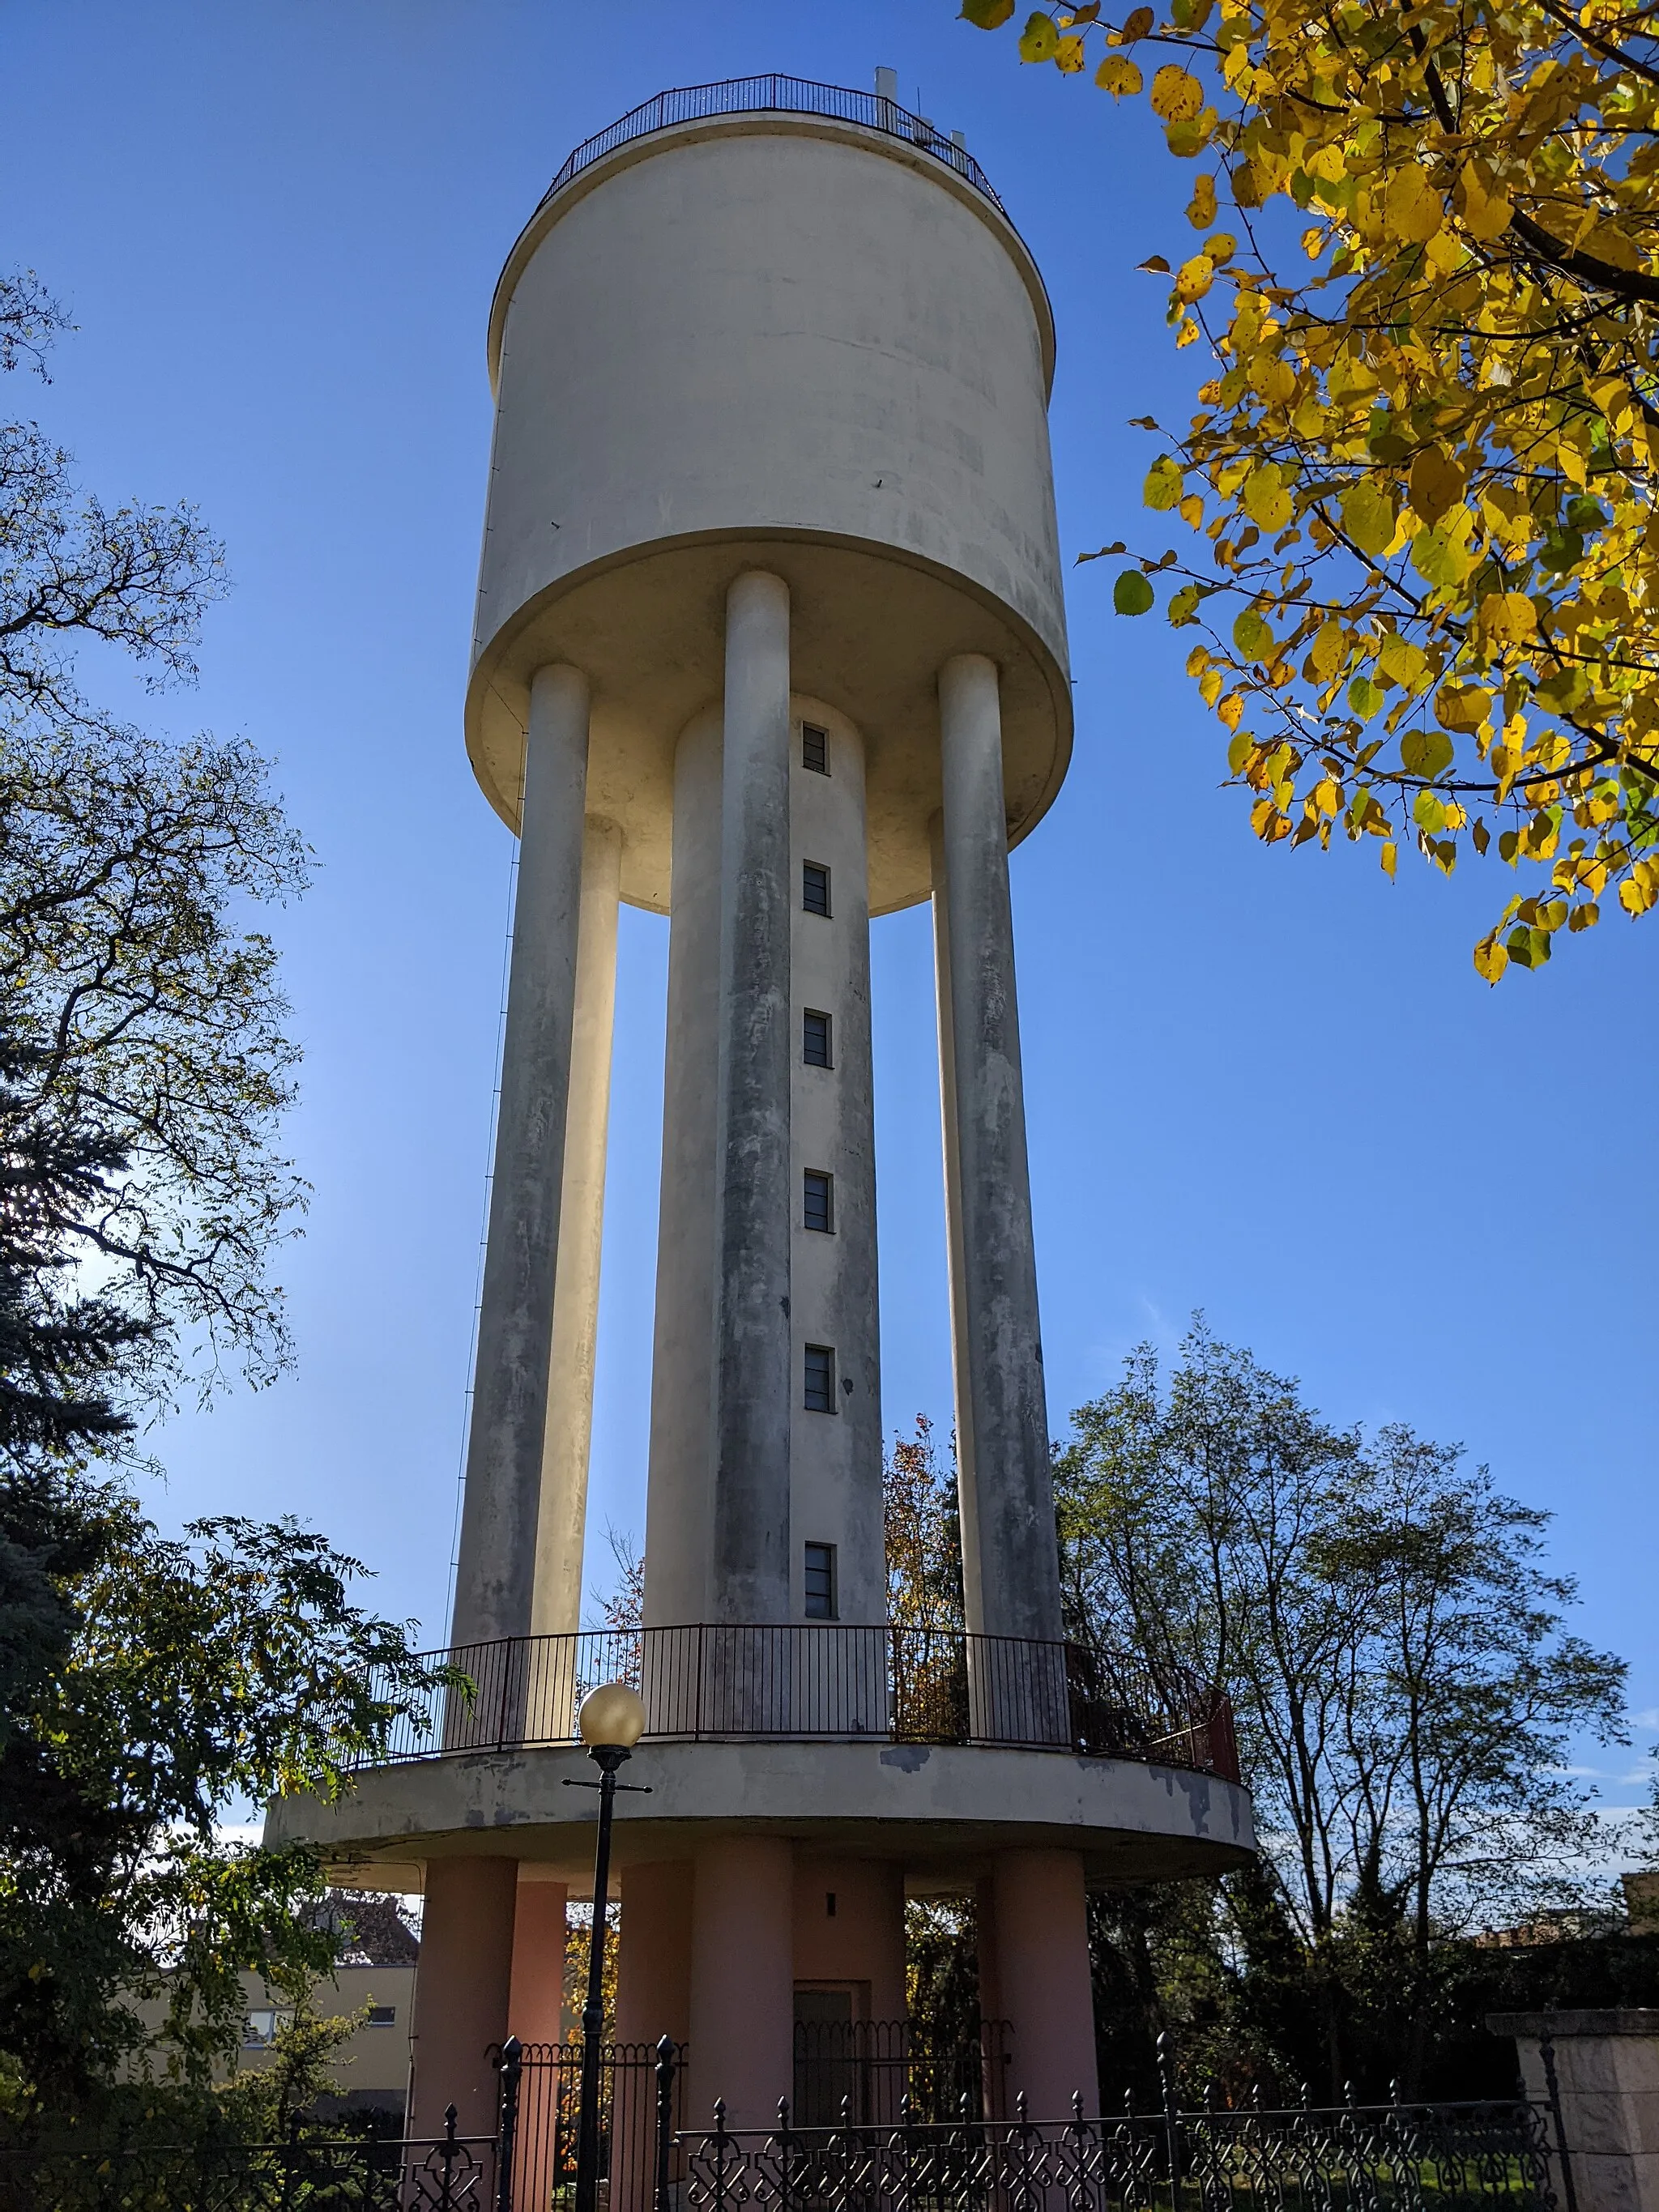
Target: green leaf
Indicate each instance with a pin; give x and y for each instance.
(1364, 697)
(1425, 752)
(1562, 549)
(987, 14)
(1132, 594)
(1252, 636)
(1039, 41)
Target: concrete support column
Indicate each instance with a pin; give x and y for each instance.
(461, 1992)
(497, 1571)
(993, 2018)
(1011, 1564)
(1040, 1953)
(743, 2012)
(536, 2007)
(753, 1378)
(679, 1503)
(653, 1951)
(555, 1607)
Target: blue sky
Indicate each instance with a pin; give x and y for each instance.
(1264, 1084)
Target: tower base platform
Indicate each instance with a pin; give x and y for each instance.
(762, 1893)
(943, 1810)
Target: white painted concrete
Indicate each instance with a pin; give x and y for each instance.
(679, 1511)
(789, 344)
(753, 1401)
(944, 1810)
(834, 1459)
(1011, 1566)
(557, 1600)
(502, 1507)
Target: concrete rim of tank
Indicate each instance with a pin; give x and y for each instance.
(768, 121)
(1036, 702)
(1131, 1820)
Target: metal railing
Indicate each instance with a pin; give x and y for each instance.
(821, 1680)
(881, 2072)
(1498, 2156)
(638, 2102)
(786, 95)
(1397, 2157)
(449, 2172)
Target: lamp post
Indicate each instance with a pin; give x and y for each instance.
(611, 1722)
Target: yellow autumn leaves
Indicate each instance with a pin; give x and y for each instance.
(1425, 550)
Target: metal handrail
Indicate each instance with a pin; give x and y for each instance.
(786, 95)
(827, 1680)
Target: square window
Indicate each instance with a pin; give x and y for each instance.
(814, 1040)
(814, 888)
(820, 1582)
(383, 2016)
(820, 1379)
(264, 2024)
(819, 1211)
(815, 749)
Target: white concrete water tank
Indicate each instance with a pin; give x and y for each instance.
(786, 339)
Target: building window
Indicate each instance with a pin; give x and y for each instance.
(264, 2024)
(820, 1379)
(821, 1595)
(383, 2016)
(815, 749)
(820, 1209)
(814, 1040)
(814, 888)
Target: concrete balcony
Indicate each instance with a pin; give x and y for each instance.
(926, 1744)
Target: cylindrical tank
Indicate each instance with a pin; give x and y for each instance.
(788, 342)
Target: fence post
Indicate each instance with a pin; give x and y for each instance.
(506, 1649)
(1553, 2090)
(508, 2122)
(721, 2139)
(446, 2151)
(664, 2142)
(1171, 2120)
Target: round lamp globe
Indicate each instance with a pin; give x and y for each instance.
(613, 1714)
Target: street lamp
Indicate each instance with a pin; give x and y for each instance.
(611, 1722)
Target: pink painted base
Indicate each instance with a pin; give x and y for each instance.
(741, 1980)
(461, 1990)
(1035, 1944)
(535, 2007)
(654, 1953)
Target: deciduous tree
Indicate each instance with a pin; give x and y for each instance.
(1422, 565)
(1405, 1685)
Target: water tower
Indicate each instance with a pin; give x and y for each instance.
(770, 640)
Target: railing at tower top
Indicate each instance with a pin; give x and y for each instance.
(788, 95)
(824, 1680)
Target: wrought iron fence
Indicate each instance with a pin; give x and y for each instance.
(1497, 2156)
(879, 2071)
(822, 1679)
(449, 2172)
(1389, 2158)
(789, 96)
(541, 2109)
